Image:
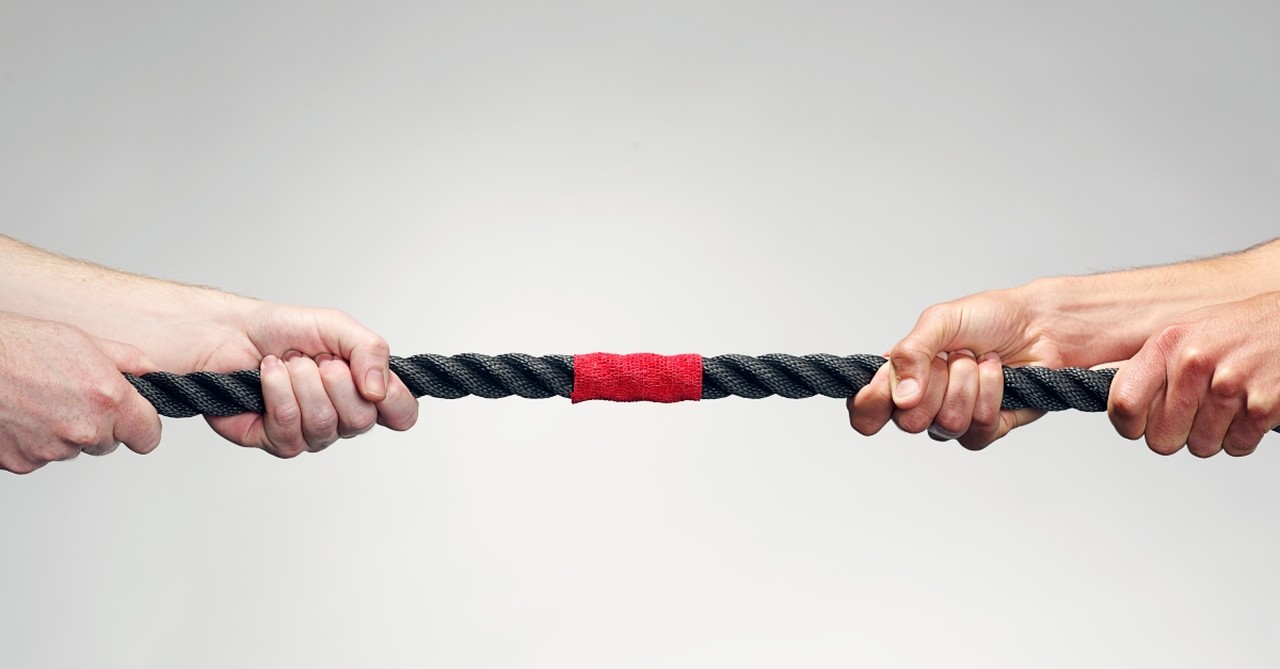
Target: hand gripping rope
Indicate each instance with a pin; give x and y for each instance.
(635, 377)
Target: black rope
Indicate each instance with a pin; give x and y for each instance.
(451, 377)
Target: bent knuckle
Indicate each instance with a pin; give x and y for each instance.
(1163, 446)
(866, 429)
(1239, 449)
(379, 346)
(914, 422)
(362, 421)
(984, 417)
(1205, 449)
(1194, 361)
(937, 315)
(400, 420)
(1228, 383)
(22, 468)
(952, 421)
(78, 436)
(105, 395)
(288, 451)
(52, 451)
(286, 418)
(1260, 410)
(324, 421)
(1170, 338)
(1125, 404)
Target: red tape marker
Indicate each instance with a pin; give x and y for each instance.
(637, 377)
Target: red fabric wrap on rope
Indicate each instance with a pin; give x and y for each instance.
(637, 377)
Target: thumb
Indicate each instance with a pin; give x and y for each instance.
(367, 354)
(137, 423)
(910, 360)
(126, 357)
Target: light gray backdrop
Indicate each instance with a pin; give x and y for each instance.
(692, 176)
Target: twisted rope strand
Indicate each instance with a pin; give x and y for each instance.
(455, 376)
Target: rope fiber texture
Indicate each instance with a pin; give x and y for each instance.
(451, 377)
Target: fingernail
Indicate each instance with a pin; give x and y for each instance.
(270, 362)
(291, 355)
(323, 358)
(988, 357)
(375, 383)
(940, 434)
(906, 389)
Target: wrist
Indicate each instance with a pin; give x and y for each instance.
(1094, 318)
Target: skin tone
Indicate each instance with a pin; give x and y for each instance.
(1193, 343)
(69, 328)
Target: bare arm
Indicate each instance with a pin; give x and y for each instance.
(149, 313)
(324, 375)
(1054, 322)
(1107, 317)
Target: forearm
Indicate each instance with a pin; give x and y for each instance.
(149, 313)
(1111, 315)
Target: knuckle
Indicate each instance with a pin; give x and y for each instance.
(1228, 383)
(1163, 446)
(1259, 410)
(914, 422)
(975, 443)
(936, 315)
(1170, 337)
(105, 396)
(400, 421)
(288, 451)
(324, 422)
(1194, 361)
(287, 418)
(865, 428)
(1125, 404)
(362, 421)
(52, 451)
(19, 465)
(952, 421)
(1204, 449)
(379, 346)
(1239, 450)
(984, 417)
(79, 436)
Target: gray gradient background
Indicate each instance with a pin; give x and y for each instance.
(708, 177)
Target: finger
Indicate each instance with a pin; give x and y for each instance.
(871, 409)
(1261, 413)
(984, 424)
(1171, 418)
(956, 412)
(1243, 436)
(1209, 429)
(368, 354)
(69, 447)
(16, 463)
(356, 415)
(1014, 419)
(1135, 387)
(918, 418)
(319, 417)
(282, 423)
(126, 357)
(137, 423)
(911, 360)
(400, 410)
(1158, 446)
